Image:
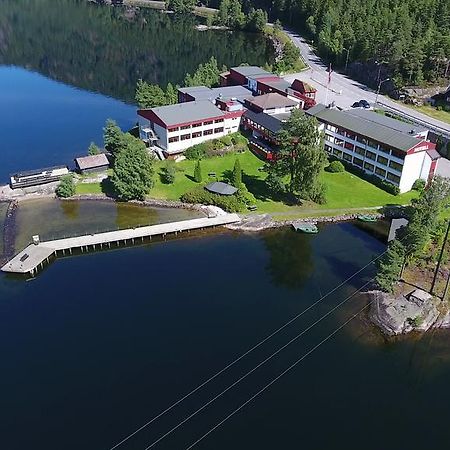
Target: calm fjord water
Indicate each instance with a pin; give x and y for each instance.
(97, 345)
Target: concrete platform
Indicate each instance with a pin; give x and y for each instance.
(33, 257)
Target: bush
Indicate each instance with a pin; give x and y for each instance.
(66, 187)
(226, 140)
(275, 184)
(198, 172)
(196, 151)
(217, 147)
(335, 167)
(244, 196)
(168, 174)
(419, 185)
(229, 203)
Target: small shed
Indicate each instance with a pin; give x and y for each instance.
(93, 163)
(218, 187)
(419, 297)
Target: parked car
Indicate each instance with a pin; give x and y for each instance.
(364, 104)
(356, 105)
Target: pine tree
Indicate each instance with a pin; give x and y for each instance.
(390, 266)
(93, 149)
(198, 172)
(112, 137)
(236, 179)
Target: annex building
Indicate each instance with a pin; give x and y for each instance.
(392, 150)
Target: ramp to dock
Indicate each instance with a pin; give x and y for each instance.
(34, 256)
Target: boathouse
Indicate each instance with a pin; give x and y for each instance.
(92, 163)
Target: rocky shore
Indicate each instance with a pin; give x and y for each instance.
(412, 310)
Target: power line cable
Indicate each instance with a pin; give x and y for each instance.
(295, 338)
(243, 355)
(274, 380)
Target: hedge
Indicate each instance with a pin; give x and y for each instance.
(229, 203)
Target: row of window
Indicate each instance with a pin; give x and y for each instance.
(365, 141)
(363, 164)
(195, 125)
(196, 134)
(367, 154)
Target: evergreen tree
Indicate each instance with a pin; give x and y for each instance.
(198, 172)
(112, 136)
(150, 95)
(132, 170)
(171, 94)
(66, 187)
(390, 265)
(302, 157)
(236, 179)
(93, 149)
(257, 20)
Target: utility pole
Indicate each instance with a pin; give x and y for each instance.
(379, 87)
(346, 59)
(447, 285)
(433, 285)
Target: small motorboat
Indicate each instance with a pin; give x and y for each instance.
(367, 218)
(305, 227)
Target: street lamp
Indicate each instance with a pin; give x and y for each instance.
(346, 60)
(379, 87)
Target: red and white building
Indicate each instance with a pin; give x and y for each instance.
(392, 150)
(174, 128)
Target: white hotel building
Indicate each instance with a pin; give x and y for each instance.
(174, 128)
(392, 150)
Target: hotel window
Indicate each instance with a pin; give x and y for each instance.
(185, 136)
(171, 130)
(382, 160)
(347, 157)
(218, 130)
(370, 155)
(339, 142)
(329, 138)
(361, 139)
(207, 132)
(174, 139)
(396, 166)
(185, 127)
(398, 154)
(380, 172)
(327, 148)
(208, 122)
(360, 151)
(358, 162)
(372, 144)
(221, 120)
(350, 135)
(196, 134)
(385, 149)
(195, 125)
(349, 146)
(341, 131)
(369, 167)
(338, 153)
(392, 177)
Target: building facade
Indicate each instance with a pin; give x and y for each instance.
(385, 147)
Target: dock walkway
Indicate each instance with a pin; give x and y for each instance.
(33, 257)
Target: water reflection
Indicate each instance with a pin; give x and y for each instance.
(101, 49)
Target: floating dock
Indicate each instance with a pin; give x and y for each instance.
(34, 257)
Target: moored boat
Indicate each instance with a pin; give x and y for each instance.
(305, 227)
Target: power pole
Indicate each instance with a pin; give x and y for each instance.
(433, 285)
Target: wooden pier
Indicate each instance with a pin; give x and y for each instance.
(35, 256)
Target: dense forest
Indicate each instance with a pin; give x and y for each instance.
(412, 37)
(108, 49)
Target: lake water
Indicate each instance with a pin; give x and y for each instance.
(97, 345)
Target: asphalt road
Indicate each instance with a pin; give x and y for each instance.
(344, 91)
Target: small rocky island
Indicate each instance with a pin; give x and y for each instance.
(406, 311)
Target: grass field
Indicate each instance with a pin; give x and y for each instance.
(345, 192)
(431, 111)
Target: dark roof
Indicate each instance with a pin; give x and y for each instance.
(28, 173)
(185, 112)
(272, 123)
(92, 161)
(280, 84)
(368, 128)
(226, 93)
(217, 187)
(251, 71)
(433, 154)
(386, 121)
(272, 100)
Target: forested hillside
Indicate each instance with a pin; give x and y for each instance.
(413, 36)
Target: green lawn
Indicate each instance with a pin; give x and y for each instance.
(345, 192)
(431, 111)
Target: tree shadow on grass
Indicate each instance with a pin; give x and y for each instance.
(259, 189)
(190, 177)
(107, 188)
